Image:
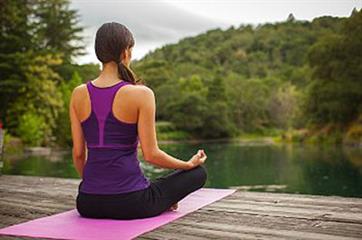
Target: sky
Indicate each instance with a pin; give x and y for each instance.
(155, 23)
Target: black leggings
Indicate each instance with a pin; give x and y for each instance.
(152, 201)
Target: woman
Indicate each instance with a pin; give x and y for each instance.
(109, 116)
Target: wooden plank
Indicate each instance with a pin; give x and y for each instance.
(242, 215)
(272, 222)
(305, 198)
(291, 212)
(225, 229)
(335, 206)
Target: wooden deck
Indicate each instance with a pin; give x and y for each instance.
(242, 215)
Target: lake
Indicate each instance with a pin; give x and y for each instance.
(291, 168)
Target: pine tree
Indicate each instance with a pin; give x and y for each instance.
(354, 11)
(15, 49)
(290, 18)
(218, 115)
(37, 38)
(58, 30)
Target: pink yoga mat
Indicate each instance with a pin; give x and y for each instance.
(70, 225)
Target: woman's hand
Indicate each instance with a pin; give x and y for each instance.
(197, 159)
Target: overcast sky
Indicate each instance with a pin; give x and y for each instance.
(158, 22)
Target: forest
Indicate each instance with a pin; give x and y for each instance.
(298, 80)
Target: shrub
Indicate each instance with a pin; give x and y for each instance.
(32, 129)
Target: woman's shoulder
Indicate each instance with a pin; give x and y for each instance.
(139, 90)
(79, 91)
(140, 95)
(80, 87)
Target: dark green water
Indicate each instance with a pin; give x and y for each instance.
(322, 170)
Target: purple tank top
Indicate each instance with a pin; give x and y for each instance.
(112, 165)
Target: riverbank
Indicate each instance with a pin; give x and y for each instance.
(292, 137)
(329, 134)
(166, 134)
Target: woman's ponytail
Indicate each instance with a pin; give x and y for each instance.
(127, 74)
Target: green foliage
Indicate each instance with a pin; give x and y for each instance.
(174, 135)
(164, 126)
(196, 107)
(85, 71)
(40, 96)
(218, 122)
(284, 106)
(168, 131)
(192, 84)
(335, 94)
(32, 129)
(266, 77)
(15, 44)
(354, 133)
(63, 133)
(188, 112)
(156, 71)
(218, 84)
(37, 42)
(249, 103)
(12, 145)
(57, 29)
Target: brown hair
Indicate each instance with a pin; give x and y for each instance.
(111, 39)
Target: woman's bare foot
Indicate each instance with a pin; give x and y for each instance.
(173, 207)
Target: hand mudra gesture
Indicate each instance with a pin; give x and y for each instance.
(198, 158)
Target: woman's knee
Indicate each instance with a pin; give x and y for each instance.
(201, 175)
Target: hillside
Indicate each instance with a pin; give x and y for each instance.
(222, 83)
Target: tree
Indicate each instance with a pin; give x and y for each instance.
(39, 97)
(250, 101)
(32, 128)
(189, 109)
(188, 113)
(290, 18)
(218, 122)
(57, 29)
(283, 106)
(335, 94)
(15, 44)
(37, 41)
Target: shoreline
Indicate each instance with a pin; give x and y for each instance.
(266, 140)
(247, 140)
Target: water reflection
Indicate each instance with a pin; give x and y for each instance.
(309, 169)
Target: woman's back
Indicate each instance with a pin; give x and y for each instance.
(110, 121)
(112, 165)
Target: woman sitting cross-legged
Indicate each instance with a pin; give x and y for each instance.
(109, 116)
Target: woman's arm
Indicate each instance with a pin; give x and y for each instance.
(79, 150)
(147, 134)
